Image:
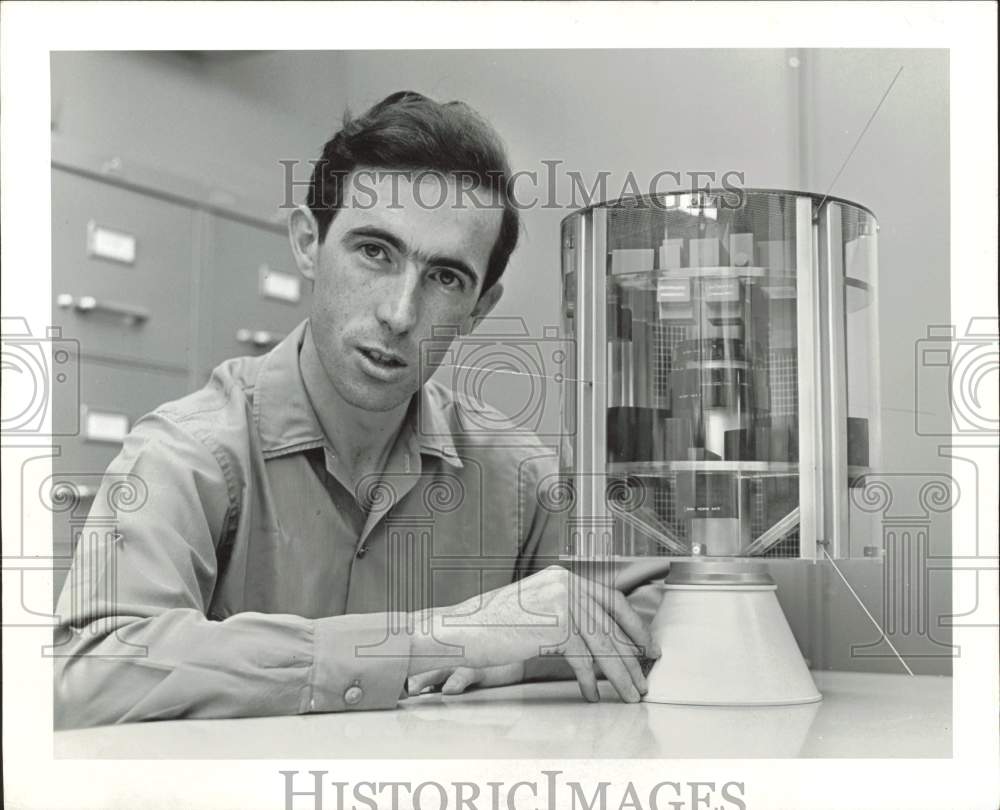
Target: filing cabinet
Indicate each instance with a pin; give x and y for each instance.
(112, 399)
(158, 282)
(254, 294)
(122, 264)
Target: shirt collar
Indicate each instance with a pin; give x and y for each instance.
(287, 423)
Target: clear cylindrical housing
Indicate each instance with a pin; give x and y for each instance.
(725, 395)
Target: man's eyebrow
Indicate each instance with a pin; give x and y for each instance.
(378, 233)
(458, 265)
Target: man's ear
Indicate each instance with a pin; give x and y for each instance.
(484, 306)
(303, 233)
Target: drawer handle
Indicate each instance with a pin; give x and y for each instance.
(87, 303)
(259, 338)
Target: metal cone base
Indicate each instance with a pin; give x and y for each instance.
(725, 641)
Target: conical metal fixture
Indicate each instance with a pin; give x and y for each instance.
(725, 640)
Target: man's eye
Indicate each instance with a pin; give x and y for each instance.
(372, 251)
(449, 279)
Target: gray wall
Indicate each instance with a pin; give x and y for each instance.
(901, 171)
(171, 112)
(786, 119)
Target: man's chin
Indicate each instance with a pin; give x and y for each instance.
(379, 399)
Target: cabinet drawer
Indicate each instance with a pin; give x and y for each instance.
(112, 397)
(116, 252)
(252, 285)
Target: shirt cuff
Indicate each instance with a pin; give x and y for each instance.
(359, 662)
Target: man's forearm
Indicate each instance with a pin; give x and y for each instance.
(435, 643)
(180, 664)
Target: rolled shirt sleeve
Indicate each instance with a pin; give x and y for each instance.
(134, 641)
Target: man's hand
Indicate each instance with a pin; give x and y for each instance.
(552, 612)
(457, 680)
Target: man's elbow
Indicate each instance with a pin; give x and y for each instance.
(92, 687)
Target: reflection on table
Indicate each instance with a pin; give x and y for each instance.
(862, 715)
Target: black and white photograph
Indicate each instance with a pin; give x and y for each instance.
(500, 405)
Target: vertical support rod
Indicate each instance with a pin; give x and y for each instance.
(591, 467)
(874, 361)
(597, 341)
(581, 459)
(807, 326)
(834, 359)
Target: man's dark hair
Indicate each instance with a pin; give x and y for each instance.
(409, 132)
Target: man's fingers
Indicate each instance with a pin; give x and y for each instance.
(501, 675)
(578, 657)
(616, 658)
(636, 631)
(637, 628)
(460, 680)
(455, 681)
(627, 682)
(629, 655)
(425, 681)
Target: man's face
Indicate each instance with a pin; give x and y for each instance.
(393, 269)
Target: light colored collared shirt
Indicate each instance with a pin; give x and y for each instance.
(229, 567)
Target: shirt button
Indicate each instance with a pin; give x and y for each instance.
(353, 695)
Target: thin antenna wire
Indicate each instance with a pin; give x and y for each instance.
(850, 154)
(867, 613)
(519, 373)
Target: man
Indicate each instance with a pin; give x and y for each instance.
(319, 523)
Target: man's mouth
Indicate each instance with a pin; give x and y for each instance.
(383, 358)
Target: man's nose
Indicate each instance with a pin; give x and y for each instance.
(399, 306)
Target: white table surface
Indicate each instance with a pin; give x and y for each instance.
(861, 715)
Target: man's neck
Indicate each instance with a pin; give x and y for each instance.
(361, 439)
